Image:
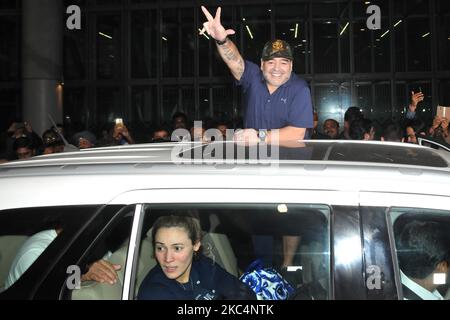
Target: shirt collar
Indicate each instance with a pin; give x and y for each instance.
(419, 290)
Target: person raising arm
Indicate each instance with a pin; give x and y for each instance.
(278, 102)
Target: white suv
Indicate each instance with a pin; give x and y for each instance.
(344, 202)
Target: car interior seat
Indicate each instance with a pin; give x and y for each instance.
(312, 259)
(217, 247)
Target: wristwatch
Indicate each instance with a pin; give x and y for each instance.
(222, 42)
(262, 135)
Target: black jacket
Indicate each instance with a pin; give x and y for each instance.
(207, 281)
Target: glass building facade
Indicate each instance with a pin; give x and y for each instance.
(143, 60)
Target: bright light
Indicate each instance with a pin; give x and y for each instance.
(384, 34)
(426, 34)
(367, 2)
(282, 208)
(243, 19)
(249, 32)
(362, 29)
(296, 31)
(164, 38)
(439, 278)
(345, 27)
(105, 35)
(347, 251)
(397, 23)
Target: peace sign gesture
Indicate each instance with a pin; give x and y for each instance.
(214, 27)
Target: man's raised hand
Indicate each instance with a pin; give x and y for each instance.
(214, 27)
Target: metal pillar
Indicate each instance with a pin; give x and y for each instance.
(42, 46)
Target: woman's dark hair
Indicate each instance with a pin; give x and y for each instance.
(23, 142)
(352, 114)
(190, 224)
(358, 128)
(393, 132)
(417, 125)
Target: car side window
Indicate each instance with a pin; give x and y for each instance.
(422, 246)
(27, 234)
(103, 265)
(246, 252)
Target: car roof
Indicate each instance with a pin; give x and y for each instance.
(317, 152)
(96, 176)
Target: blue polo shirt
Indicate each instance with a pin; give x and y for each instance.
(289, 105)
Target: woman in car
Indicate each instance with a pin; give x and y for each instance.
(183, 272)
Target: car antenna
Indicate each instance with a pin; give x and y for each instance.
(67, 146)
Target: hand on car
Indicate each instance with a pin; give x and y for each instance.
(248, 136)
(102, 271)
(214, 27)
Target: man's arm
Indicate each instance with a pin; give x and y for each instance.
(231, 56)
(288, 133)
(226, 48)
(415, 99)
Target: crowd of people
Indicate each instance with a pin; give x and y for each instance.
(275, 98)
(21, 142)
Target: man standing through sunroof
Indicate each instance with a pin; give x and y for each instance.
(275, 97)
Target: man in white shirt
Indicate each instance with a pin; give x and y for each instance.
(100, 271)
(423, 257)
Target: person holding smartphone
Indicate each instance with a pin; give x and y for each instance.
(412, 125)
(416, 97)
(121, 134)
(440, 128)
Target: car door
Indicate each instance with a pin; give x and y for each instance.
(237, 222)
(382, 217)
